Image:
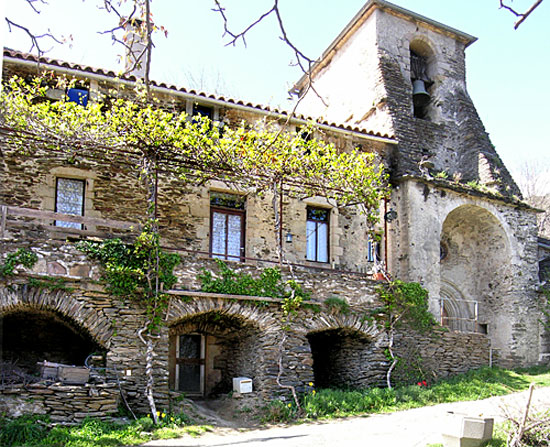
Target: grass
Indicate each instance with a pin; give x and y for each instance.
(474, 385)
(32, 431)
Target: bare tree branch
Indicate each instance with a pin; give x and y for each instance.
(34, 38)
(304, 62)
(522, 15)
(32, 2)
(535, 186)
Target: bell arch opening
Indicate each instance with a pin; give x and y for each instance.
(29, 336)
(423, 70)
(345, 358)
(208, 350)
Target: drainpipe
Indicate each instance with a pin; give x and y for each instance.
(386, 235)
(281, 218)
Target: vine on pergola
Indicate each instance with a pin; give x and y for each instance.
(132, 128)
(145, 135)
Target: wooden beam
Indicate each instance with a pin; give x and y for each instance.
(192, 293)
(50, 215)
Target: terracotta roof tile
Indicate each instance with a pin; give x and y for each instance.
(109, 73)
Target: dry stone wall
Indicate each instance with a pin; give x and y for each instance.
(63, 403)
(249, 336)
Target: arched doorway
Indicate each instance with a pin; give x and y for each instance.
(344, 358)
(208, 350)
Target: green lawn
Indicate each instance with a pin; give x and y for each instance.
(478, 384)
(34, 431)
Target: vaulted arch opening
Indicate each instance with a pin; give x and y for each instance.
(208, 350)
(344, 358)
(29, 336)
(474, 268)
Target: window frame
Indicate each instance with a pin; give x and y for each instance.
(242, 248)
(327, 222)
(56, 209)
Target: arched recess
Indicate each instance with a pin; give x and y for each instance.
(423, 69)
(347, 351)
(345, 358)
(208, 349)
(85, 316)
(475, 258)
(29, 335)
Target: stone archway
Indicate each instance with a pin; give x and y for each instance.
(474, 269)
(347, 351)
(213, 341)
(38, 325)
(345, 358)
(29, 336)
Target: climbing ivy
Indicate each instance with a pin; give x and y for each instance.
(22, 257)
(131, 270)
(402, 303)
(268, 284)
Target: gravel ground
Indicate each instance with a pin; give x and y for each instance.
(411, 428)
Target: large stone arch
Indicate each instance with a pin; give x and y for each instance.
(346, 351)
(475, 265)
(212, 341)
(38, 325)
(180, 309)
(79, 312)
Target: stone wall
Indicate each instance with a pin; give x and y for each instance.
(432, 353)
(63, 403)
(489, 257)
(243, 338)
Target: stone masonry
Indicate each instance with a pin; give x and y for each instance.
(460, 230)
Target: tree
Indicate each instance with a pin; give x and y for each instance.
(535, 185)
(522, 16)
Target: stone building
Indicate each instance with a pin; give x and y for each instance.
(394, 84)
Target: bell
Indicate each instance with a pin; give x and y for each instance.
(420, 96)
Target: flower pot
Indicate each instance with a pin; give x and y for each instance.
(378, 276)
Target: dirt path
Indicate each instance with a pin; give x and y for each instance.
(411, 428)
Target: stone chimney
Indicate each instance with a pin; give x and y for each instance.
(136, 42)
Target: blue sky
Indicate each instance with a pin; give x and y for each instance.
(507, 71)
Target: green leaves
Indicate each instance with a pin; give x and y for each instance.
(22, 257)
(269, 284)
(131, 270)
(233, 283)
(406, 302)
(255, 155)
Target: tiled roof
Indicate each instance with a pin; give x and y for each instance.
(17, 55)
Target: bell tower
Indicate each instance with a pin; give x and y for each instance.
(392, 71)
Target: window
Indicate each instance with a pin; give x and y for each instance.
(69, 199)
(227, 226)
(200, 110)
(373, 251)
(317, 234)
